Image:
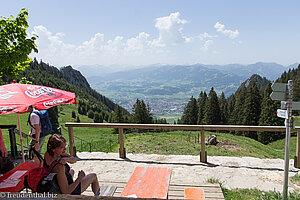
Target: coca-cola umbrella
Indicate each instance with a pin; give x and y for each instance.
(16, 97)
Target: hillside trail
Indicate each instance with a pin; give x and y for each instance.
(232, 172)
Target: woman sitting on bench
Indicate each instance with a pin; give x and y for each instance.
(56, 151)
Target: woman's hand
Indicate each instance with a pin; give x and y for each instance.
(81, 174)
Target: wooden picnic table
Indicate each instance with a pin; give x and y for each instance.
(148, 182)
(13, 181)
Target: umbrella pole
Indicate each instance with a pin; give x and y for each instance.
(21, 139)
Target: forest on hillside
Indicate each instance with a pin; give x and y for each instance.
(90, 102)
(250, 105)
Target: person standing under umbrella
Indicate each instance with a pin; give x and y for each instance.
(38, 139)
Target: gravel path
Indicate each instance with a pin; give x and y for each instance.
(232, 172)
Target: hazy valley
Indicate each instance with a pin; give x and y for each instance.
(167, 88)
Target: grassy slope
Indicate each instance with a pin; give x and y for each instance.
(176, 142)
(99, 137)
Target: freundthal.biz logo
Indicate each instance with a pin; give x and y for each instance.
(37, 91)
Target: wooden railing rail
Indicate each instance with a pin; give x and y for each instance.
(201, 128)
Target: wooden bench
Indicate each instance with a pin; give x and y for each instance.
(13, 181)
(193, 193)
(107, 190)
(148, 182)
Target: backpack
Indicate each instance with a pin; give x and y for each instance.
(41, 179)
(46, 127)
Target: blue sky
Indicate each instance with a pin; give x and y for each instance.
(136, 32)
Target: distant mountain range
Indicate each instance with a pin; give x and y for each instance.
(269, 70)
(161, 84)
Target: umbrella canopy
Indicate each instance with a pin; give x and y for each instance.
(16, 97)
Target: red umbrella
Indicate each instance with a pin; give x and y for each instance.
(16, 97)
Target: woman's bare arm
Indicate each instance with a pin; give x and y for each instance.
(65, 188)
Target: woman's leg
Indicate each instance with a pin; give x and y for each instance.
(88, 180)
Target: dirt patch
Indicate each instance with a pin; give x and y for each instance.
(226, 144)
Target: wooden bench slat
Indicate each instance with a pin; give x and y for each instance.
(107, 190)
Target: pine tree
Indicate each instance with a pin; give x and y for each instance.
(141, 113)
(237, 114)
(252, 110)
(252, 107)
(223, 109)
(201, 107)
(96, 117)
(230, 107)
(190, 113)
(268, 117)
(91, 114)
(118, 115)
(212, 109)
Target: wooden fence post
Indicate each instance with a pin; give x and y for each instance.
(297, 157)
(122, 152)
(203, 157)
(71, 140)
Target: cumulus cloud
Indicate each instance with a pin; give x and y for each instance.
(205, 35)
(207, 44)
(50, 46)
(170, 30)
(230, 33)
(170, 46)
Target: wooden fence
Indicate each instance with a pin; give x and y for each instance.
(202, 128)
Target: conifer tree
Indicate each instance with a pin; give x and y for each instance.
(91, 114)
(268, 117)
(118, 115)
(223, 109)
(96, 117)
(230, 107)
(252, 110)
(190, 113)
(201, 107)
(212, 109)
(238, 111)
(252, 107)
(141, 113)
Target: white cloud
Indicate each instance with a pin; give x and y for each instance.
(170, 30)
(205, 35)
(207, 44)
(139, 43)
(170, 46)
(51, 47)
(231, 34)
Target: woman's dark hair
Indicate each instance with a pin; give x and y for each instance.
(54, 142)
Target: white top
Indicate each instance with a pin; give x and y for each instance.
(34, 119)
